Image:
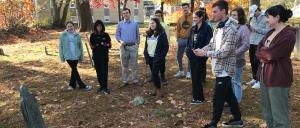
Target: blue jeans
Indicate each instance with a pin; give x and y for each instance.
(237, 83)
(181, 44)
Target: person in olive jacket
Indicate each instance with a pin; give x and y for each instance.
(200, 35)
(100, 44)
(156, 49)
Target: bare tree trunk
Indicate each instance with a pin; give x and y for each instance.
(59, 21)
(125, 3)
(295, 4)
(162, 10)
(84, 15)
(1, 51)
(119, 10)
(56, 15)
(65, 12)
(257, 2)
(192, 5)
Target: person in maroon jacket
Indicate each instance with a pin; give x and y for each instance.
(275, 71)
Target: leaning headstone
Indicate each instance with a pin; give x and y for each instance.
(30, 109)
(1, 51)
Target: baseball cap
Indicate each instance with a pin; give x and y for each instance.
(252, 10)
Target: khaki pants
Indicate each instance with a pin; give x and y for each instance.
(129, 57)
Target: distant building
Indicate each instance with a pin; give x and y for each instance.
(106, 13)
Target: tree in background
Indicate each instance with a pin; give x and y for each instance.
(58, 7)
(287, 3)
(16, 14)
(112, 3)
(84, 15)
(168, 2)
(257, 2)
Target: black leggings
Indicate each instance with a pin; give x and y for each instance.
(75, 77)
(253, 60)
(155, 69)
(101, 66)
(198, 72)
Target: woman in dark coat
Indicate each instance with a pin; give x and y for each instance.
(200, 35)
(156, 49)
(100, 44)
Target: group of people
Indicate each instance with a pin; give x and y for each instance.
(270, 40)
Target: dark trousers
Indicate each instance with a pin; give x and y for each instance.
(253, 60)
(204, 71)
(163, 70)
(224, 92)
(155, 69)
(197, 72)
(101, 66)
(75, 75)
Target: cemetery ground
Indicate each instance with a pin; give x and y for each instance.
(26, 63)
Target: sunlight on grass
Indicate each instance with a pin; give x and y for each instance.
(2, 103)
(48, 79)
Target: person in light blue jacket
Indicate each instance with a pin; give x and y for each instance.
(70, 50)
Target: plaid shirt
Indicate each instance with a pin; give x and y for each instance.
(225, 56)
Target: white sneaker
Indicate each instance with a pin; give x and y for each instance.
(179, 74)
(70, 88)
(251, 82)
(87, 87)
(256, 85)
(188, 75)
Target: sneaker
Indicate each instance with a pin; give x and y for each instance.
(251, 82)
(209, 126)
(137, 83)
(105, 91)
(179, 74)
(70, 88)
(163, 79)
(87, 88)
(197, 102)
(233, 123)
(188, 75)
(256, 85)
(123, 84)
(226, 104)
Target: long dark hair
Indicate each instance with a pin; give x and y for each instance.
(99, 22)
(157, 30)
(201, 13)
(206, 16)
(241, 15)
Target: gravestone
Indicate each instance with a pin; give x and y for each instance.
(30, 109)
(1, 51)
